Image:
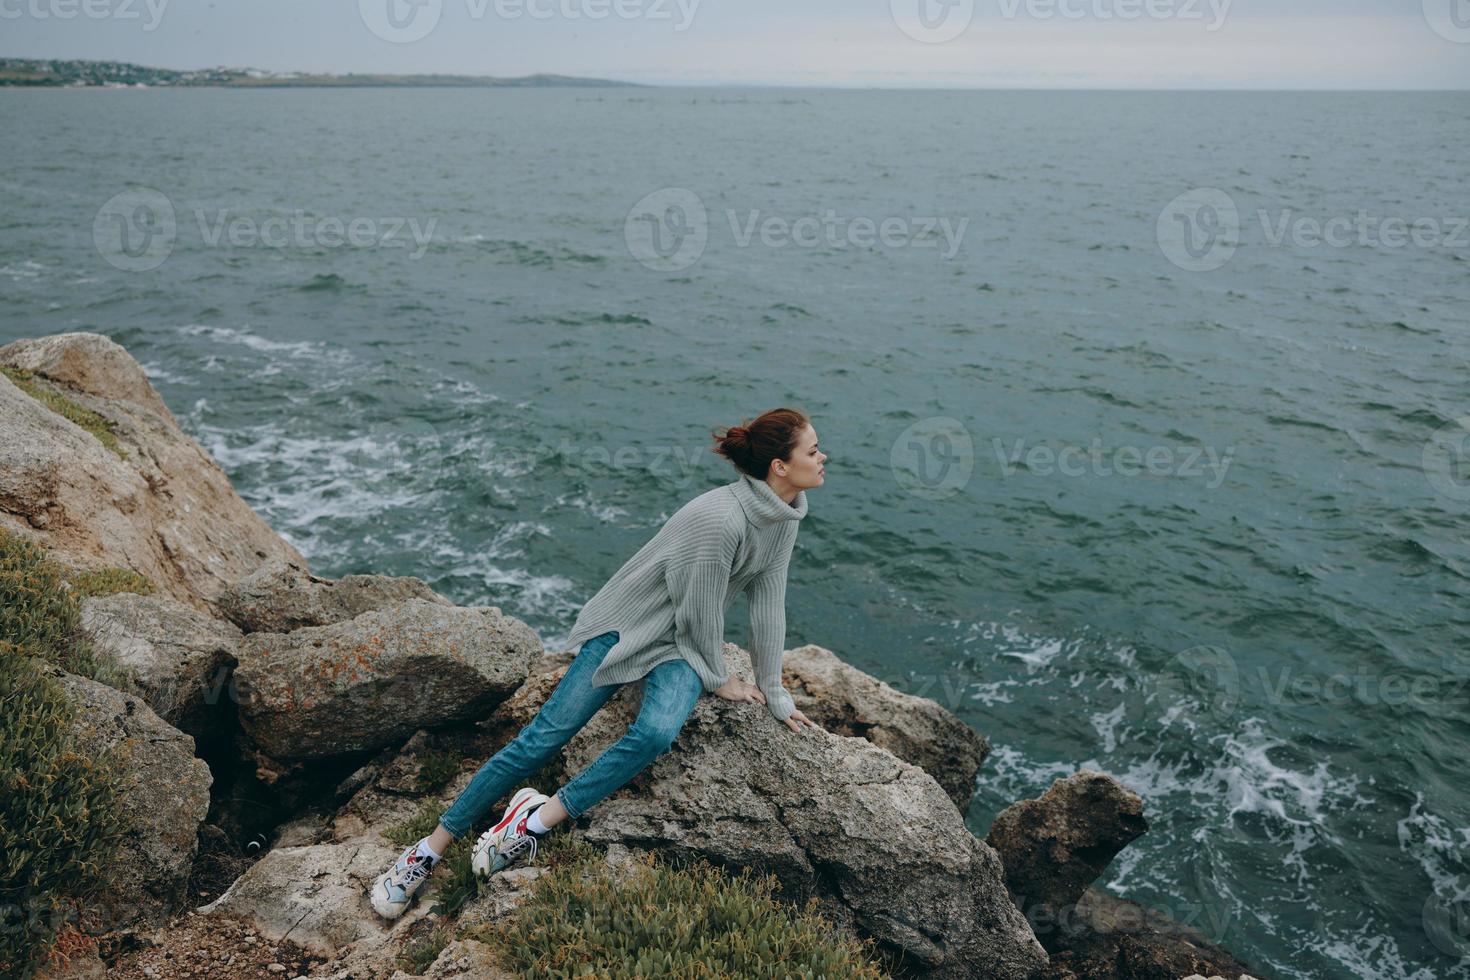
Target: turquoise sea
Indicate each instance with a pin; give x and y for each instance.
(1130, 468)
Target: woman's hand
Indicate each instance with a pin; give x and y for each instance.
(736, 689)
(796, 719)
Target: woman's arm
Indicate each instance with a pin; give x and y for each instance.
(767, 599)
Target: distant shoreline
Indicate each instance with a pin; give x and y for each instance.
(117, 75)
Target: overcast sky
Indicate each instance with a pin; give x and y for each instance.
(1328, 44)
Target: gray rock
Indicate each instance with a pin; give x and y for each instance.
(282, 596)
(847, 701)
(1054, 847)
(359, 685)
(874, 838)
(316, 896)
(499, 897)
(385, 791)
(467, 958)
(166, 511)
(181, 657)
(165, 797)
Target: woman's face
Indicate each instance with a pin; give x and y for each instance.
(804, 469)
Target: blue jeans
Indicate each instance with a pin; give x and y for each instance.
(670, 691)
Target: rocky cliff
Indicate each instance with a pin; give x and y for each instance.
(267, 786)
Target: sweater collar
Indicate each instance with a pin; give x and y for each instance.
(761, 505)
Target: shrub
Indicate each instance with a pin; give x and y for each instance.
(39, 615)
(60, 819)
(87, 419)
(435, 770)
(110, 581)
(458, 883)
(661, 921)
(421, 951)
(421, 824)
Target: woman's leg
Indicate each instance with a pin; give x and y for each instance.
(570, 706)
(670, 691)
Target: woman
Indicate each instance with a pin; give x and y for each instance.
(660, 618)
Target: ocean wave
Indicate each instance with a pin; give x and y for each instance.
(303, 349)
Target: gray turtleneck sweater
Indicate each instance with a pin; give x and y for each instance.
(668, 601)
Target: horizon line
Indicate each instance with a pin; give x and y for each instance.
(799, 86)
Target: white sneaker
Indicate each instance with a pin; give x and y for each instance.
(394, 889)
(509, 839)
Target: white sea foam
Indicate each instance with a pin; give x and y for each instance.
(993, 693)
(606, 513)
(25, 270)
(1036, 657)
(157, 372)
(1106, 723)
(303, 349)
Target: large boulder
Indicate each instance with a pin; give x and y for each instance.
(166, 510)
(355, 686)
(164, 798)
(1054, 847)
(845, 700)
(839, 697)
(875, 839)
(1111, 938)
(180, 657)
(281, 596)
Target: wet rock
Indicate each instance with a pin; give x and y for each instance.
(1054, 847)
(1110, 938)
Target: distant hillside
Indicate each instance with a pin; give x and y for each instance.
(82, 74)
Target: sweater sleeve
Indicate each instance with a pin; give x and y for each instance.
(698, 592)
(767, 600)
